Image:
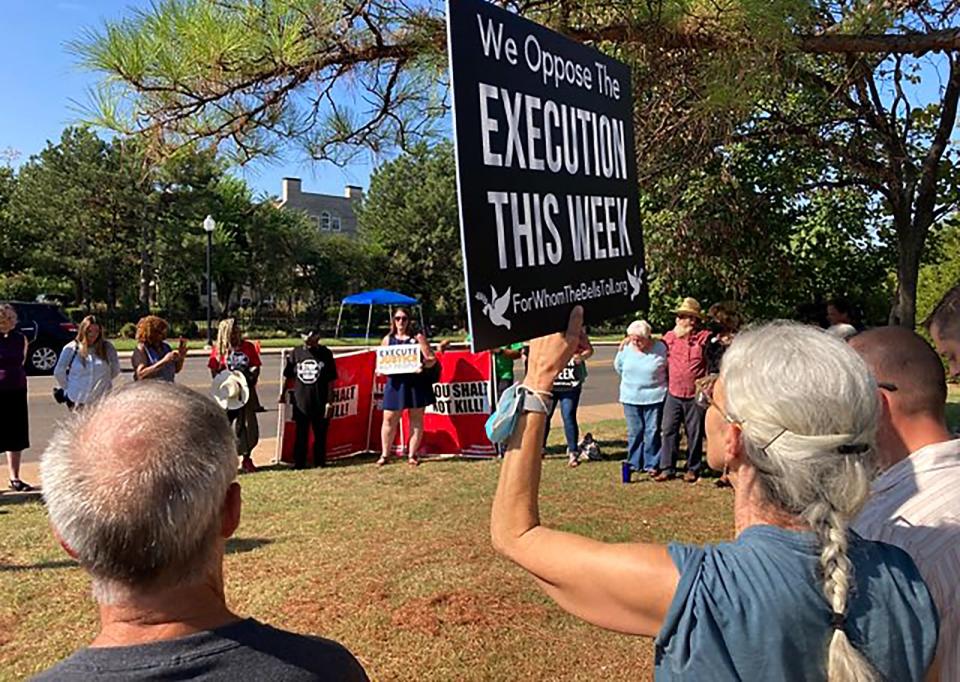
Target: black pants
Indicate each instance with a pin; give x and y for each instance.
(304, 421)
(676, 410)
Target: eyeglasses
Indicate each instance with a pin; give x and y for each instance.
(705, 397)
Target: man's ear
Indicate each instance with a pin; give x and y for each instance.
(230, 518)
(63, 543)
(886, 414)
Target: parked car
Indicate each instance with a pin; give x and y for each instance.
(47, 329)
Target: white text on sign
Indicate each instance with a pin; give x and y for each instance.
(553, 68)
(462, 397)
(597, 226)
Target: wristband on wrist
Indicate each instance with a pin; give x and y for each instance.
(535, 400)
(516, 400)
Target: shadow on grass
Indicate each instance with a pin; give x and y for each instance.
(242, 545)
(43, 565)
(21, 498)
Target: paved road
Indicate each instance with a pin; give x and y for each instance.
(601, 388)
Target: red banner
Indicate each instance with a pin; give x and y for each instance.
(352, 395)
(455, 423)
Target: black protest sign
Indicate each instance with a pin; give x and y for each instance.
(549, 212)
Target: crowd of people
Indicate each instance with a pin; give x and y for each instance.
(662, 384)
(845, 477)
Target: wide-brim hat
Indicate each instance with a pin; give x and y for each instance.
(230, 389)
(690, 306)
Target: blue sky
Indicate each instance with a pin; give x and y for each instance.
(40, 79)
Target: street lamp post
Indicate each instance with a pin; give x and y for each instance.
(208, 227)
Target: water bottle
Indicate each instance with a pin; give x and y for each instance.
(625, 472)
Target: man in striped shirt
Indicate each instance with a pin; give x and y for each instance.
(944, 327)
(915, 503)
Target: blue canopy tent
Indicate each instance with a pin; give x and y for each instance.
(377, 297)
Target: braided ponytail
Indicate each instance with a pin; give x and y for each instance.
(810, 438)
(844, 662)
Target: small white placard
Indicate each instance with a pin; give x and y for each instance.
(401, 359)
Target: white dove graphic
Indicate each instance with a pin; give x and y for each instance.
(496, 307)
(636, 280)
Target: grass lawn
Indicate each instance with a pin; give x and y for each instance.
(953, 407)
(395, 563)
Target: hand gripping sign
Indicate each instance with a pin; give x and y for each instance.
(546, 177)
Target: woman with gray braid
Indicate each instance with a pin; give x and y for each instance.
(796, 595)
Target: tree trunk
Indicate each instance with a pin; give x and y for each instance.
(146, 266)
(111, 285)
(910, 247)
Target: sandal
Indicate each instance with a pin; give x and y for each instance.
(19, 486)
(413, 461)
(381, 461)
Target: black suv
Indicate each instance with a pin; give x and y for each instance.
(47, 329)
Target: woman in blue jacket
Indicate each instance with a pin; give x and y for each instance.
(641, 363)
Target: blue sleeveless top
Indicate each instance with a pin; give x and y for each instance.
(753, 609)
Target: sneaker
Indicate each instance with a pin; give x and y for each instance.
(691, 477)
(247, 466)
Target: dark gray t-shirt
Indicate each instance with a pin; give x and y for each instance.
(246, 650)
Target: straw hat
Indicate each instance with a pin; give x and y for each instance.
(690, 306)
(230, 390)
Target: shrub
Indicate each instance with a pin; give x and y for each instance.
(26, 286)
(128, 331)
(188, 330)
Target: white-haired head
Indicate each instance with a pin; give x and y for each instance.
(808, 408)
(842, 331)
(135, 487)
(640, 328)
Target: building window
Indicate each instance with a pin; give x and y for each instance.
(325, 221)
(335, 223)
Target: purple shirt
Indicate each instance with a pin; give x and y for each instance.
(13, 377)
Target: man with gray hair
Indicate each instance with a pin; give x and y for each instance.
(140, 490)
(944, 326)
(915, 502)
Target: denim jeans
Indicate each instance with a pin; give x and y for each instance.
(691, 414)
(643, 435)
(568, 401)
